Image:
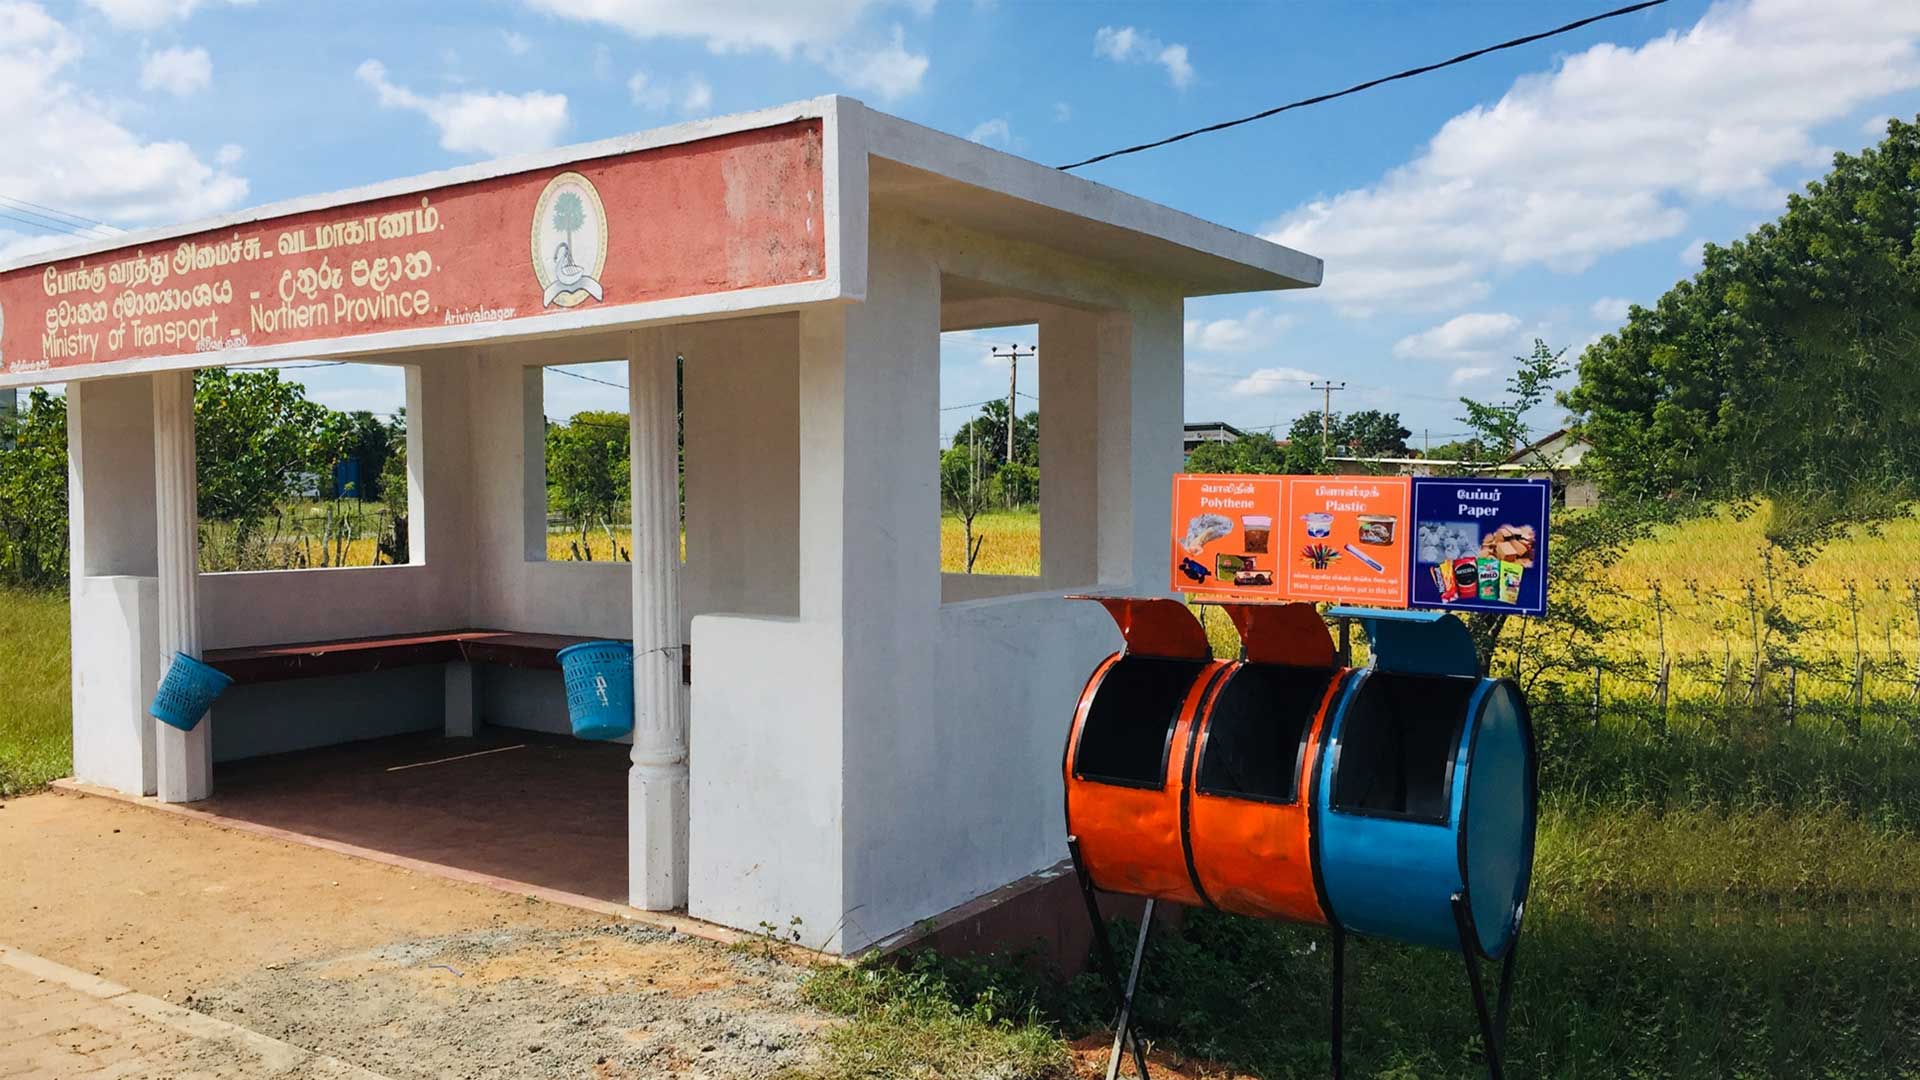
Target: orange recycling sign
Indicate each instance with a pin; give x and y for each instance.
(1338, 539)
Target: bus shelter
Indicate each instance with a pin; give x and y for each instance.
(827, 727)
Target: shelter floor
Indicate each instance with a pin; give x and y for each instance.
(541, 809)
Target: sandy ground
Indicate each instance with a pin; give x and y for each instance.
(401, 973)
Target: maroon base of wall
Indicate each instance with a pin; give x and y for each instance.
(1041, 917)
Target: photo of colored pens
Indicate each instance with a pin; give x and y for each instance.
(1362, 556)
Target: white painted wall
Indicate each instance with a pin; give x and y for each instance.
(912, 743)
(114, 605)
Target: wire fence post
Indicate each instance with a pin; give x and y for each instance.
(1594, 709)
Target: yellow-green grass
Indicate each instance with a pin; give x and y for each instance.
(1703, 569)
(1012, 543)
(35, 704)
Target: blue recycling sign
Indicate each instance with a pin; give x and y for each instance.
(1480, 544)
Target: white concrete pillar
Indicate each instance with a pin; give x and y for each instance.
(115, 597)
(657, 782)
(185, 758)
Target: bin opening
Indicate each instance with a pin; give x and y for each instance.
(1257, 733)
(1129, 725)
(1396, 751)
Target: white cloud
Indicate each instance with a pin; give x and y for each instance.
(646, 93)
(1611, 309)
(1468, 374)
(1273, 380)
(230, 154)
(1694, 254)
(1125, 44)
(1875, 127)
(994, 132)
(698, 97)
(1062, 112)
(473, 122)
(888, 68)
(695, 94)
(1473, 336)
(179, 72)
(1254, 330)
(729, 25)
(150, 14)
(68, 149)
(517, 43)
(1608, 150)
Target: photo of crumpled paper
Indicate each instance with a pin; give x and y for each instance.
(1204, 530)
(1509, 543)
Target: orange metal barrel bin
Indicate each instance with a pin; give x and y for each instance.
(1127, 751)
(1257, 742)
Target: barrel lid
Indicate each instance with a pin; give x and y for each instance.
(1292, 634)
(1416, 642)
(1156, 626)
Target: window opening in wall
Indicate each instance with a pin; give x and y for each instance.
(302, 466)
(588, 450)
(990, 451)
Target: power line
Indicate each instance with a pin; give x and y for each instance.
(586, 378)
(81, 218)
(1370, 84)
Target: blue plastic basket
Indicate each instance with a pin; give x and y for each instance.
(599, 688)
(187, 692)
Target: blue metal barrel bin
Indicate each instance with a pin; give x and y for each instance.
(1427, 791)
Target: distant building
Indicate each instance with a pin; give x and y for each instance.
(1558, 457)
(1206, 431)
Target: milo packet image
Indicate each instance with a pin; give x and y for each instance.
(1489, 568)
(1510, 582)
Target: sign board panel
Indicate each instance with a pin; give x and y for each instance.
(1225, 538)
(736, 211)
(1347, 540)
(1481, 545)
(1458, 544)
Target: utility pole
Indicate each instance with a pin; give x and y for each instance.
(1326, 388)
(1013, 355)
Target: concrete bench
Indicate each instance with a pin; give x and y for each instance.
(459, 651)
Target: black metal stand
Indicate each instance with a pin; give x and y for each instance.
(1110, 964)
(1493, 1027)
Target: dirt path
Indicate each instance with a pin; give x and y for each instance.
(401, 973)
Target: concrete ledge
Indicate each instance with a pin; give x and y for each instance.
(1041, 914)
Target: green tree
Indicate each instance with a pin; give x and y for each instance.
(587, 472)
(33, 495)
(1253, 452)
(569, 213)
(1499, 429)
(989, 429)
(1783, 368)
(255, 443)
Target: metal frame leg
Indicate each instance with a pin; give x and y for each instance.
(1339, 1018)
(1493, 1028)
(1110, 965)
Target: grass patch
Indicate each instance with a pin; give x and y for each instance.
(36, 706)
(932, 1018)
(1700, 942)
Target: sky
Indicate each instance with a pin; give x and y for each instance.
(1535, 193)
